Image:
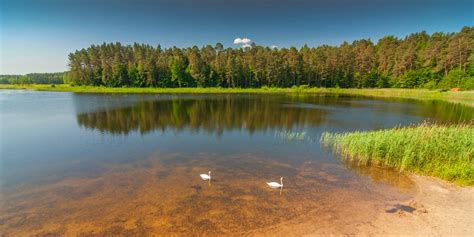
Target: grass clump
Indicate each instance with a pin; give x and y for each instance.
(445, 152)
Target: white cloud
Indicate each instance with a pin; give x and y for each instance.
(237, 41)
(246, 40)
(274, 46)
(246, 46)
(242, 41)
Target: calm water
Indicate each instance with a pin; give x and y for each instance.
(95, 164)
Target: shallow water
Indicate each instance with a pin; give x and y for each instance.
(91, 164)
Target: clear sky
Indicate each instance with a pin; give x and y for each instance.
(37, 35)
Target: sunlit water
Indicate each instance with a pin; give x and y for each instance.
(91, 164)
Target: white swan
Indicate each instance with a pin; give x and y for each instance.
(206, 176)
(276, 185)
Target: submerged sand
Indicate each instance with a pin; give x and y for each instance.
(440, 209)
(437, 209)
(161, 198)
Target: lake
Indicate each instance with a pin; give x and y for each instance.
(129, 164)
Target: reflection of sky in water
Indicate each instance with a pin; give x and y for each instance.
(47, 135)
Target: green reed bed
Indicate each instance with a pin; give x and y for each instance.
(446, 152)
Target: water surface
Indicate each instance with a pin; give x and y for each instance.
(93, 164)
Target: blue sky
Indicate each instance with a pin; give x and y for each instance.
(37, 35)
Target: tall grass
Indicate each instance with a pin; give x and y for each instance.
(442, 151)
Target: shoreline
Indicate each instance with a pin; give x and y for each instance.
(463, 97)
(437, 208)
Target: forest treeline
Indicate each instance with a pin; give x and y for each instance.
(420, 60)
(33, 78)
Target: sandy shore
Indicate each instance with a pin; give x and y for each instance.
(437, 209)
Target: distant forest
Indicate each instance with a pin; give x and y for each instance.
(420, 60)
(33, 78)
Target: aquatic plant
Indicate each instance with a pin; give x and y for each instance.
(444, 151)
(291, 136)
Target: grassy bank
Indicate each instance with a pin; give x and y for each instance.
(446, 152)
(465, 97)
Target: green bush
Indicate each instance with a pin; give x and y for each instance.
(468, 83)
(455, 78)
(430, 85)
(302, 87)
